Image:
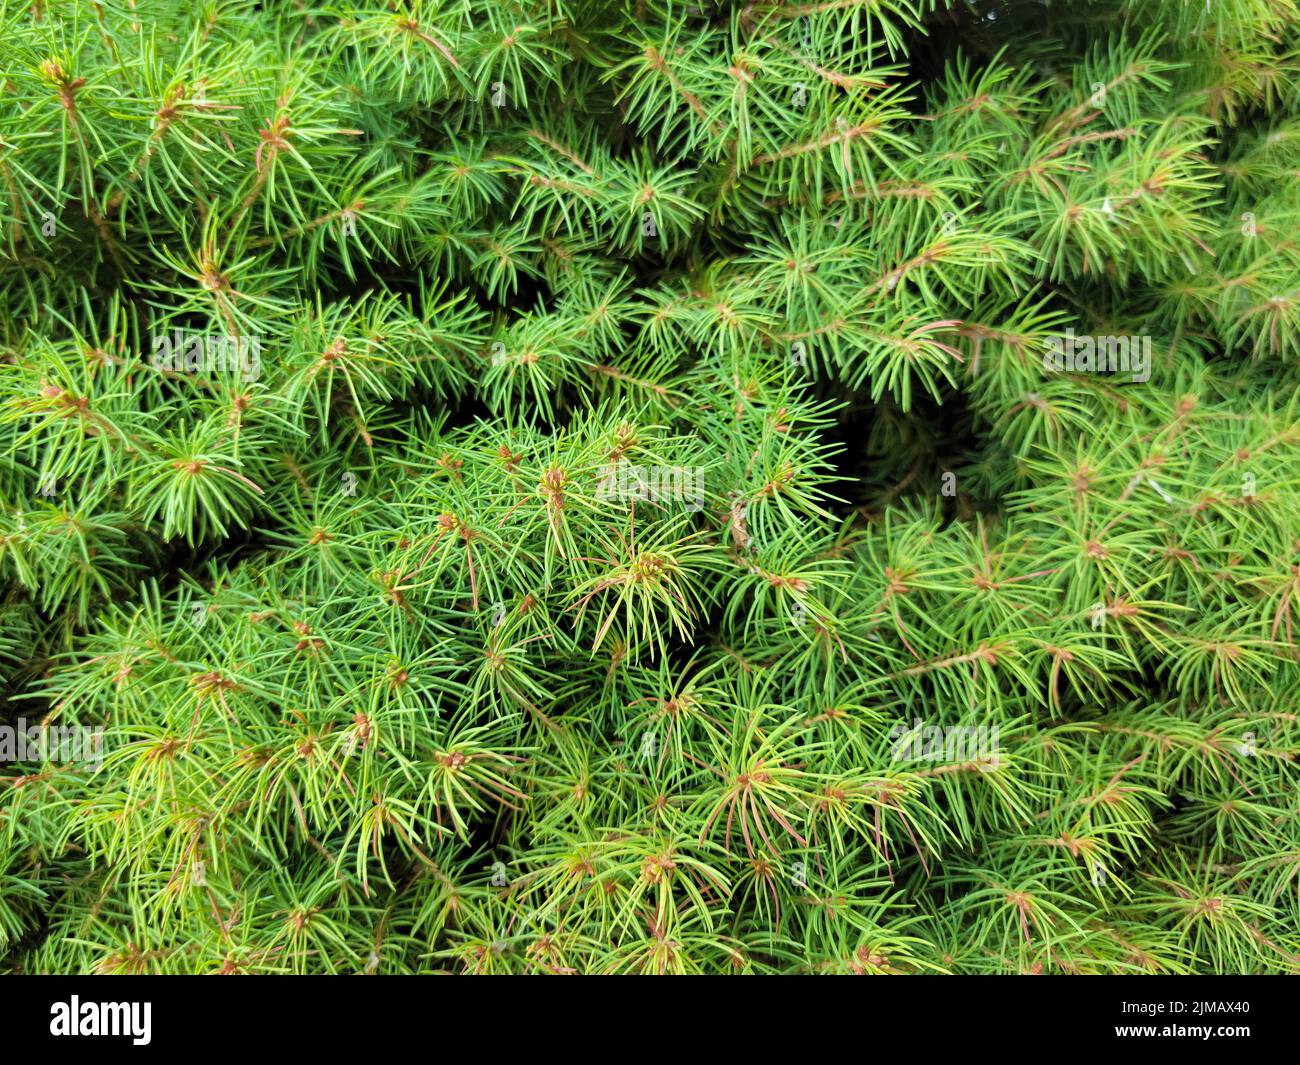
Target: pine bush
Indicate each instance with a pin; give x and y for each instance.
(631, 486)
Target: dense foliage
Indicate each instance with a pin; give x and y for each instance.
(522, 485)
